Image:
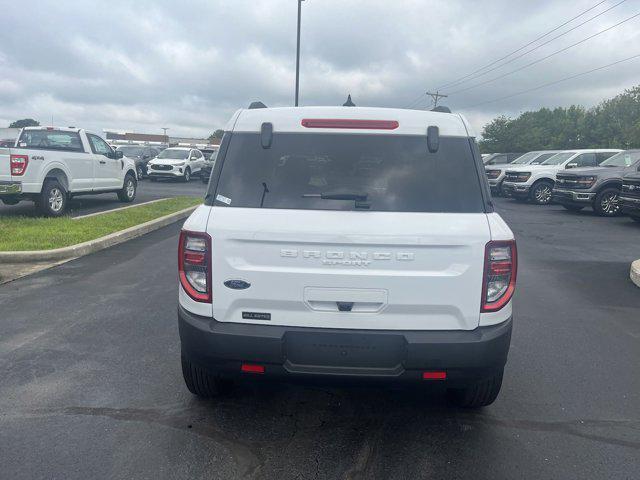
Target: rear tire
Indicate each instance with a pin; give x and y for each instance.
(140, 172)
(187, 175)
(53, 199)
(128, 191)
(573, 208)
(607, 202)
(202, 383)
(540, 193)
(477, 395)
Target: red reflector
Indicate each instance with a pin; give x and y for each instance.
(434, 375)
(500, 268)
(347, 123)
(196, 258)
(248, 368)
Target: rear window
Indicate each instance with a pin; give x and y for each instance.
(387, 173)
(51, 140)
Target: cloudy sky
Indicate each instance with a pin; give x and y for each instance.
(188, 65)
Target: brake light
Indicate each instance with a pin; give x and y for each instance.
(18, 164)
(348, 123)
(249, 368)
(500, 269)
(194, 265)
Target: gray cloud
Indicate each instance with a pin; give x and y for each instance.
(188, 65)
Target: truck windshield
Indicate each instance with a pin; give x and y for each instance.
(558, 158)
(526, 158)
(622, 159)
(325, 171)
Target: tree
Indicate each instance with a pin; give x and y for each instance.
(217, 135)
(614, 123)
(25, 122)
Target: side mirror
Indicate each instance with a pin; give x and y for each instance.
(572, 165)
(433, 138)
(115, 154)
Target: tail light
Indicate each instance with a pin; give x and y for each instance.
(19, 164)
(194, 265)
(500, 268)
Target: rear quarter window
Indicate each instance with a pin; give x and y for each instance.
(394, 172)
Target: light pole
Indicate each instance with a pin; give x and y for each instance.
(298, 52)
(165, 135)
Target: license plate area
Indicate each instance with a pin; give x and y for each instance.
(344, 353)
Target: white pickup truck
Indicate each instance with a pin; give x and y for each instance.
(49, 165)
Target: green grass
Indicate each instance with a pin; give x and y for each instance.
(26, 233)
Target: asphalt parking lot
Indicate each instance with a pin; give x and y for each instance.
(86, 204)
(92, 385)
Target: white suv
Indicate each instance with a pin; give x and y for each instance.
(347, 242)
(535, 182)
(176, 162)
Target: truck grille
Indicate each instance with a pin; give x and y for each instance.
(161, 167)
(516, 176)
(566, 181)
(631, 189)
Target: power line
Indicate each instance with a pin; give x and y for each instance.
(545, 57)
(554, 82)
(465, 79)
(410, 104)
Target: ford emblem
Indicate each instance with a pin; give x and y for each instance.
(237, 284)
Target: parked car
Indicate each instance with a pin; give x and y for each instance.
(501, 158)
(49, 165)
(596, 187)
(176, 162)
(630, 195)
(356, 243)
(535, 182)
(208, 165)
(495, 173)
(140, 154)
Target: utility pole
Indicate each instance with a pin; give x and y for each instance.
(436, 96)
(298, 52)
(164, 129)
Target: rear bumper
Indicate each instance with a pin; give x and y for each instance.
(296, 352)
(515, 189)
(572, 197)
(10, 188)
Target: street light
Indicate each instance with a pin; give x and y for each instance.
(298, 52)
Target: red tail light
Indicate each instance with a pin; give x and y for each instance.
(348, 123)
(194, 265)
(19, 164)
(500, 269)
(249, 368)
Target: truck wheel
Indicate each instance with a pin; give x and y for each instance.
(607, 203)
(128, 191)
(53, 199)
(573, 208)
(202, 383)
(140, 172)
(477, 395)
(540, 193)
(187, 175)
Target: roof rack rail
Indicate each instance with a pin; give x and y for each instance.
(257, 105)
(441, 109)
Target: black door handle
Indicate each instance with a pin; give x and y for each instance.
(102, 162)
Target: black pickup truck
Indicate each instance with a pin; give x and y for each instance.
(630, 195)
(596, 187)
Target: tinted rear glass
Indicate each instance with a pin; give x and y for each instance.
(394, 172)
(51, 140)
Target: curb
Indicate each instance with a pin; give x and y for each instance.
(91, 246)
(119, 209)
(634, 274)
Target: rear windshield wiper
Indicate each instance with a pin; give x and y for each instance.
(338, 196)
(360, 199)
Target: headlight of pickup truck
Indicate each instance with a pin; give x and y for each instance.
(585, 182)
(492, 174)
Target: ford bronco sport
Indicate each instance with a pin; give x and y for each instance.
(347, 242)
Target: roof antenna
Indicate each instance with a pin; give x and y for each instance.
(349, 103)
